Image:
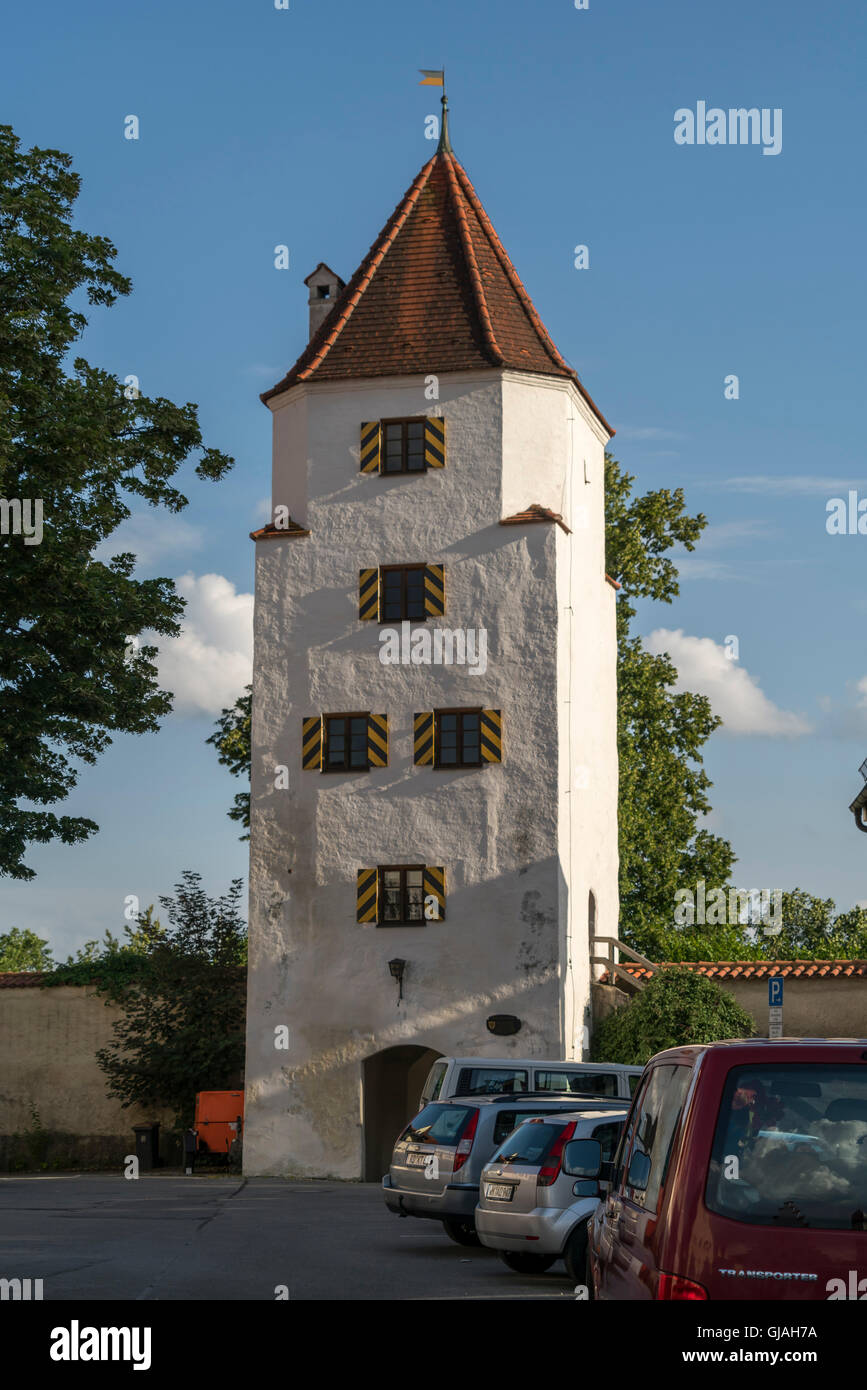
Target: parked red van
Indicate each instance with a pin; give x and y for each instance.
(741, 1174)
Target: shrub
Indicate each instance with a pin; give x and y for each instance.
(676, 1006)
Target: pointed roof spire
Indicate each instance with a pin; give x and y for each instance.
(445, 144)
(436, 292)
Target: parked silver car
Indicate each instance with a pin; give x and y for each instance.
(531, 1208)
(438, 1159)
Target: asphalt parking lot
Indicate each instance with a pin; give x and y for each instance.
(167, 1238)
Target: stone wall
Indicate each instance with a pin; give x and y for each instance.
(48, 1043)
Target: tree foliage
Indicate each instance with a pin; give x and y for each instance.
(24, 950)
(182, 1024)
(79, 444)
(660, 735)
(232, 742)
(677, 1006)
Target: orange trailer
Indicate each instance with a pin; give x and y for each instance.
(219, 1120)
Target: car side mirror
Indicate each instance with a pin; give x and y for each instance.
(639, 1172)
(582, 1158)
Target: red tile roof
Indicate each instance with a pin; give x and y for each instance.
(21, 979)
(535, 512)
(759, 969)
(435, 293)
(273, 533)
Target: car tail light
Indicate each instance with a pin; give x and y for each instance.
(465, 1143)
(551, 1167)
(675, 1286)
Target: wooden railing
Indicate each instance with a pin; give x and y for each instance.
(615, 969)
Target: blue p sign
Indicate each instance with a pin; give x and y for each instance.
(775, 991)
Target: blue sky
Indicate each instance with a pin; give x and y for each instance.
(303, 127)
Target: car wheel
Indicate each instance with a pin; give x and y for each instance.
(522, 1263)
(575, 1256)
(461, 1232)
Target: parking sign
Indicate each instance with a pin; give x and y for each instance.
(775, 992)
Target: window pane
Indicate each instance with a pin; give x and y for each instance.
(415, 430)
(448, 721)
(391, 878)
(413, 877)
(799, 1132)
(391, 602)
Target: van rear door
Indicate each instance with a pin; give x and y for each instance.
(784, 1208)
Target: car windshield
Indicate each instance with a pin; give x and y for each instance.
(790, 1147)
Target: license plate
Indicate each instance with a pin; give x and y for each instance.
(418, 1160)
(499, 1191)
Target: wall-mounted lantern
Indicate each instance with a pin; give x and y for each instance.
(396, 968)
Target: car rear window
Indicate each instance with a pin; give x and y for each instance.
(438, 1124)
(588, 1083)
(490, 1081)
(529, 1143)
(507, 1120)
(790, 1147)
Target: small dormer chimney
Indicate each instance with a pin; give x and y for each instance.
(325, 288)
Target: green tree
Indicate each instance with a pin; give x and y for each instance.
(232, 742)
(660, 734)
(676, 1006)
(24, 950)
(182, 1024)
(78, 445)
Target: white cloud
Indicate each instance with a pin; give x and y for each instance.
(640, 433)
(793, 485)
(703, 667)
(209, 664)
(151, 536)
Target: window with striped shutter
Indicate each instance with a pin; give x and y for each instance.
(434, 590)
(454, 745)
(395, 446)
(492, 736)
(434, 880)
(423, 739)
(367, 896)
(311, 743)
(377, 740)
(368, 594)
(435, 441)
(371, 447)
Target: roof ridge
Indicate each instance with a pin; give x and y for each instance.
(512, 275)
(371, 262)
(349, 299)
(472, 263)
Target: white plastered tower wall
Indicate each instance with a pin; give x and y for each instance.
(521, 847)
(549, 426)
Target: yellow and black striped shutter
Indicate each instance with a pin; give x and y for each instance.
(367, 896)
(434, 880)
(423, 739)
(377, 740)
(434, 590)
(435, 441)
(311, 744)
(492, 736)
(371, 449)
(368, 594)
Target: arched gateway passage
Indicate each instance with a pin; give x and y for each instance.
(392, 1082)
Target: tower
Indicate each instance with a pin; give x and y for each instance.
(434, 762)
